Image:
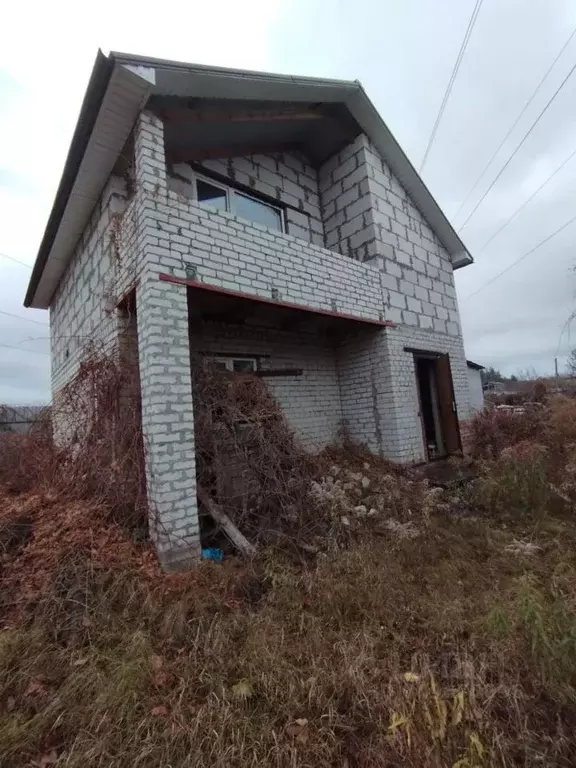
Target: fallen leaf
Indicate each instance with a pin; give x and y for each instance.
(159, 679)
(10, 704)
(411, 677)
(86, 622)
(35, 686)
(458, 708)
(298, 730)
(50, 758)
(156, 661)
(242, 690)
(397, 721)
(79, 662)
(159, 711)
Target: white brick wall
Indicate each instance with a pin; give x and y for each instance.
(168, 419)
(225, 251)
(80, 309)
(286, 177)
(310, 402)
(404, 441)
(369, 217)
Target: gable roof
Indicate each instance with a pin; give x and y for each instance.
(120, 86)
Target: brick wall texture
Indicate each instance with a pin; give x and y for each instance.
(310, 401)
(355, 245)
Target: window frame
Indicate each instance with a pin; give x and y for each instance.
(229, 361)
(230, 192)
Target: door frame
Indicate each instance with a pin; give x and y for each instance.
(449, 412)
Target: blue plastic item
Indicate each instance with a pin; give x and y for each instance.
(213, 553)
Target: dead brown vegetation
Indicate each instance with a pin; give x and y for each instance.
(87, 446)
(438, 631)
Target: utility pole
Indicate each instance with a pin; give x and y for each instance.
(556, 366)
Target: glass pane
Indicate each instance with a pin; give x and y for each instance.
(255, 210)
(209, 194)
(244, 366)
(218, 365)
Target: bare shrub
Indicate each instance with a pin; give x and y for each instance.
(491, 430)
(277, 492)
(88, 446)
(248, 458)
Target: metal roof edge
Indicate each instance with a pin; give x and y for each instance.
(206, 69)
(99, 79)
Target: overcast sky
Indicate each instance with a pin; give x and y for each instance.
(403, 52)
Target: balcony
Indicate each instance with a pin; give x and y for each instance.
(221, 251)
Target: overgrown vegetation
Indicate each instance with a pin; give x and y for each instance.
(440, 630)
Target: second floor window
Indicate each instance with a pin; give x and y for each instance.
(223, 198)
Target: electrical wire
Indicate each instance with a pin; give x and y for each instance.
(520, 116)
(34, 351)
(514, 263)
(525, 203)
(17, 261)
(452, 80)
(526, 135)
(19, 317)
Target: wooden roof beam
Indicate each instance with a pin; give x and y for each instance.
(215, 115)
(197, 154)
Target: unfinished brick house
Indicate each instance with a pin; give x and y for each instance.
(262, 222)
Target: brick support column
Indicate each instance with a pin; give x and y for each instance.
(149, 154)
(168, 420)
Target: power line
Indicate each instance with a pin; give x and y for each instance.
(520, 116)
(34, 351)
(526, 135)
(19, 317)
(23, 263)
(525, 203)
(514, 263)
(452, 80)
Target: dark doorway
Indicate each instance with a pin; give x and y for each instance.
(437, 406)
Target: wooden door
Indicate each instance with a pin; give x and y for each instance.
(447, 406)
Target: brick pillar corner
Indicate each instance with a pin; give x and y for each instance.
(168, 421)
(149, 153)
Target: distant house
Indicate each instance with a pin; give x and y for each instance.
(19, 419)
(475, 385)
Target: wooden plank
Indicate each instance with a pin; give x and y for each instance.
(447, 406)
(220, 517)
(214, 115)
(279, 372)
(197, 154)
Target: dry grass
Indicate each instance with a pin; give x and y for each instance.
(453, 645)
(419, 651)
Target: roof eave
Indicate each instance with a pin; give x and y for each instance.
(113, 99)
(91, 103)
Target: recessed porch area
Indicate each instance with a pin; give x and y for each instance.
(309, 360)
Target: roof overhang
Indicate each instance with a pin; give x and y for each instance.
(113, 100)
(474, 366)
(120, 86)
